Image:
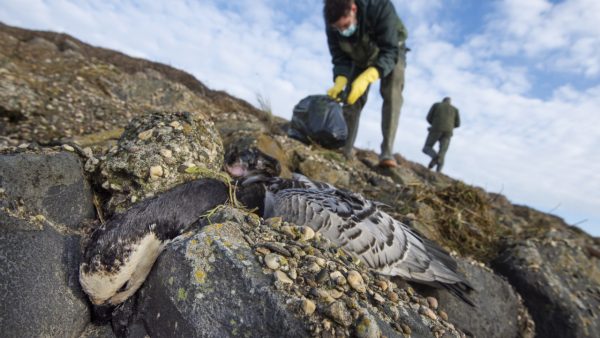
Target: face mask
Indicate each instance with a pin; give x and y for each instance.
(349, 31)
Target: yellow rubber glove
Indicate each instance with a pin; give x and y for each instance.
(361, 83)
(338, 86)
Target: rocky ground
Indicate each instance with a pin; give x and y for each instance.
(102, 130)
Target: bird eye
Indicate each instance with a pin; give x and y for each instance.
(123, 287)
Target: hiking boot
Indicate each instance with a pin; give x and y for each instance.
(388, 163)
(432, 163)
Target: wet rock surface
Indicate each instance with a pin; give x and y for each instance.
(46, 183)
(40, 294)
(561, 287)
(505, 314)
(207, 286)
(42, 201)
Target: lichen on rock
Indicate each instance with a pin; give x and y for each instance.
(155, 153)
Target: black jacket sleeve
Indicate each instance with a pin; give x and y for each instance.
(386, 24)
(342, 63)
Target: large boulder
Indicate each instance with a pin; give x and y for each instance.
(43, 198)
(49, 184)
(209, 285)
(559, 284)
(40, 292)
(505, 316)
(158, 151)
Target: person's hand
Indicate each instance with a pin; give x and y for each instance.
(361, 83)
(338, 87)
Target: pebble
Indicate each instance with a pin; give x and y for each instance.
(68, 148)
(145, 134)
(433, 303)
(282, 277)
(322, 276)
(392, 311)
(156, 172)
(306, 233)
(356, 281)
(379, 298)
(313, 267)
(392, 296)
(322, 295)
(166, 153)
(263, 250)
(443, 315)
(326, 324)
(279, 248)
(39, 218)
(272, 260)
(289, 231)
(274, 222)
(367, 327)
(335, 293)
(337, 277)
(428, 312)
(383, 285)
(339, 313)
(308, 306)
(87, 152)
(406, 329)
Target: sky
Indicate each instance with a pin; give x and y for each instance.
(525, 76)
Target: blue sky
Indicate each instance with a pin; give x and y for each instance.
(524, 74)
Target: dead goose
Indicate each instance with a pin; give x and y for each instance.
(361, 229)
(121, 252)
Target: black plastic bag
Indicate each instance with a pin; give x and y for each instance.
(319, 119)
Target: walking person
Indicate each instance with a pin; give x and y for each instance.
(443, 118)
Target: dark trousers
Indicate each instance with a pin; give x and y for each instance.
(391, 92)
(443, 138)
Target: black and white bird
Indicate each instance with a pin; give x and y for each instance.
(362, 230)
(122, 251)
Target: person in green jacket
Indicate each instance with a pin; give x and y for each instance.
(443, 118)
(366, 41)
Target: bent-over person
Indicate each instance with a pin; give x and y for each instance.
(366, 41)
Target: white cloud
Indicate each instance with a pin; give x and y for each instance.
(564, 36)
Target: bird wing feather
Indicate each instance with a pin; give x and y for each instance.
(355, 224)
